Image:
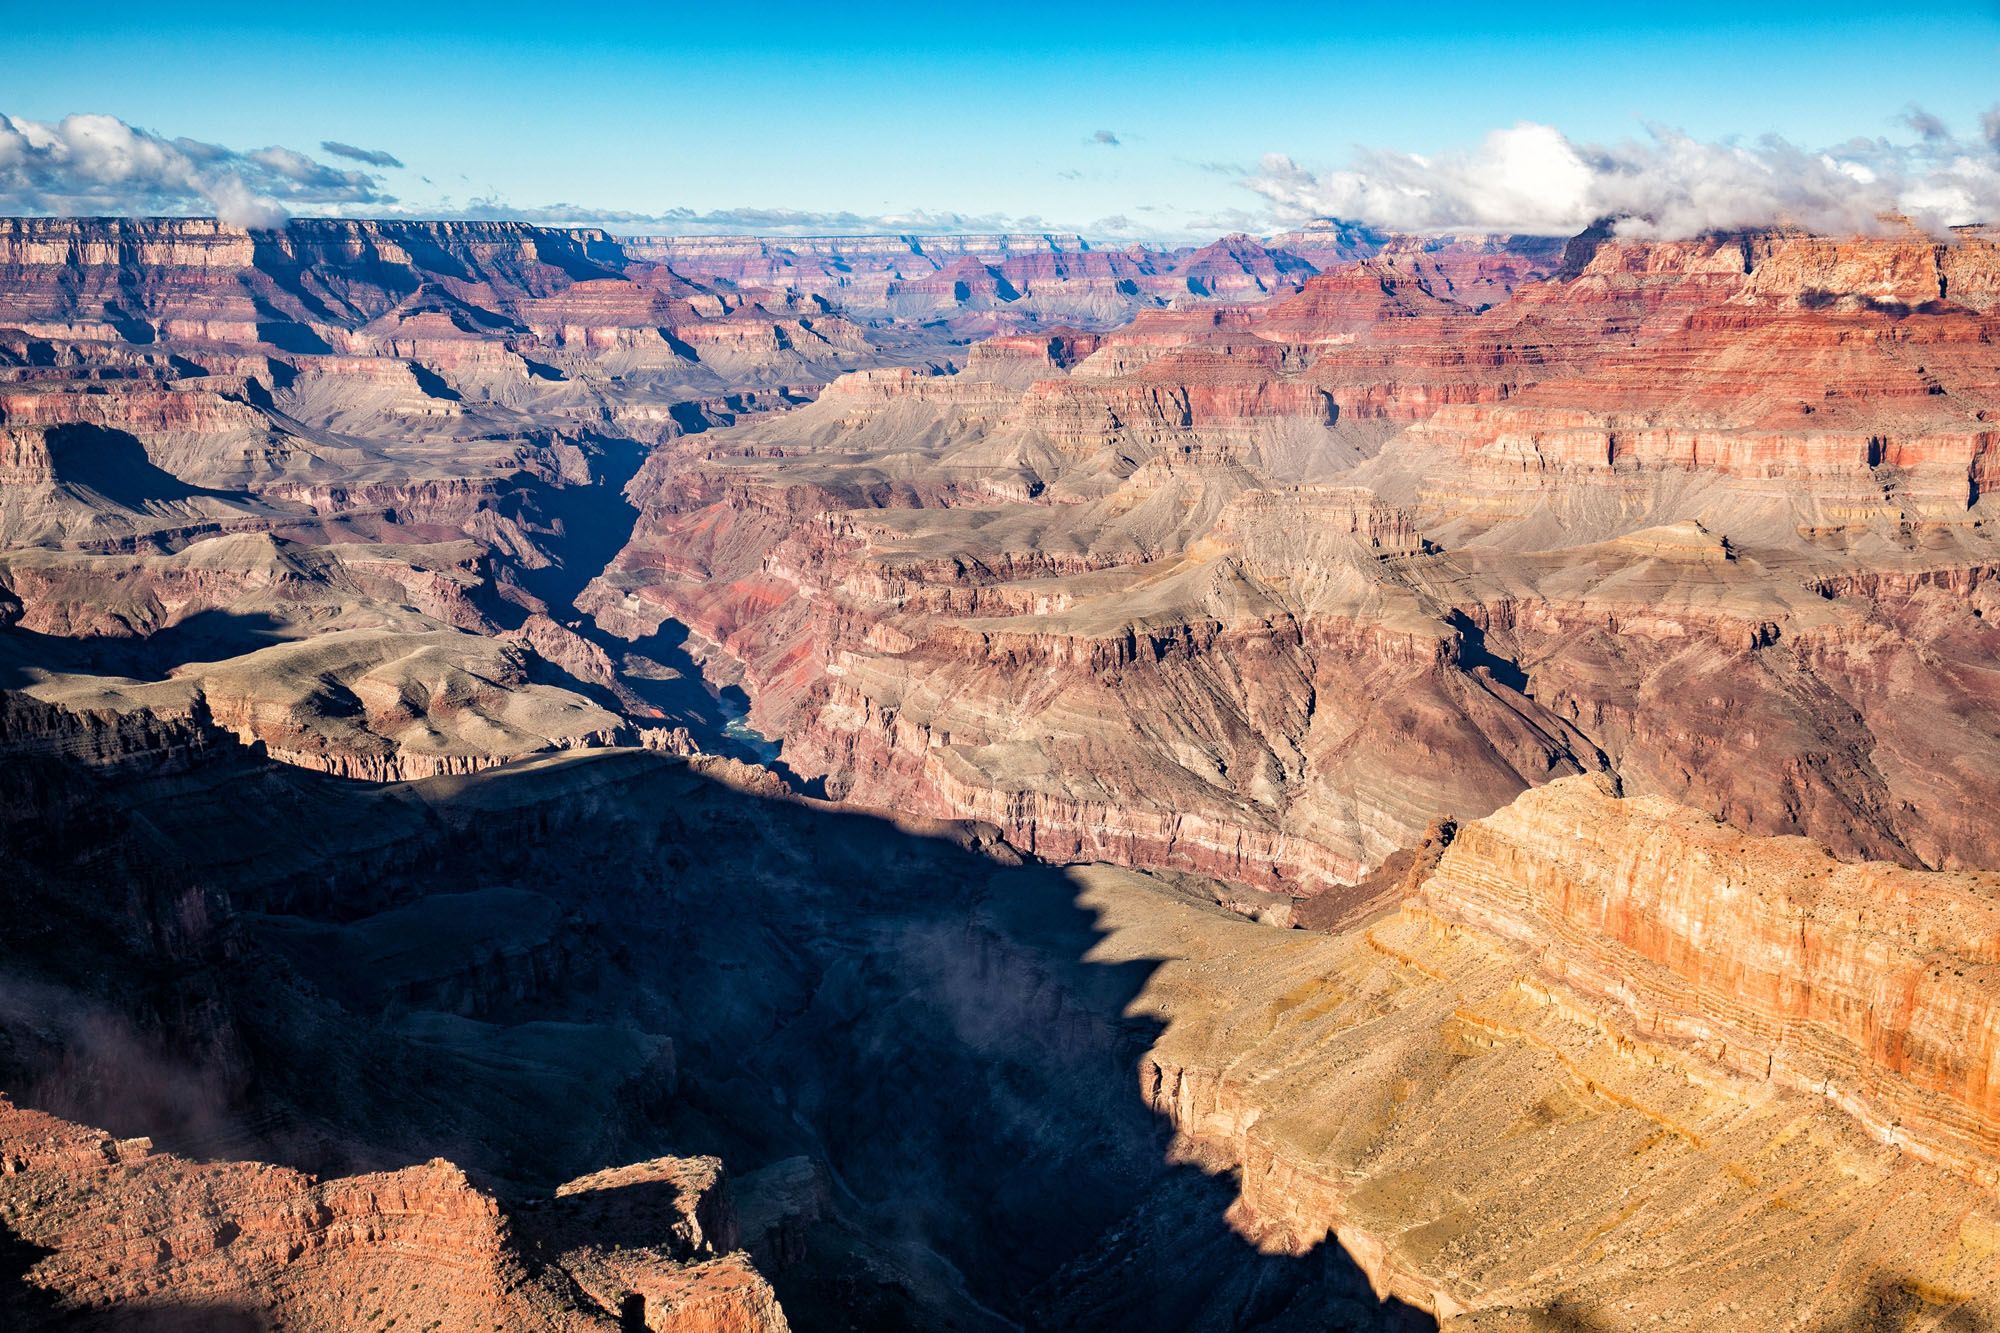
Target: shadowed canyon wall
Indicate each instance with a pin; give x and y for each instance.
(1115, 1103)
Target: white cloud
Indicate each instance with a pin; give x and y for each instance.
(98, 164)
(87, 164)
(234, 202)
(1532, 178)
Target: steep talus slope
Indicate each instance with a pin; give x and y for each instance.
(1866, 984)
(1611, 1066)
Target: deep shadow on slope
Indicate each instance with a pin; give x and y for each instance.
(205, 636)
(491, 969)
(596, 521)
(21, 1300)
(115, 465)
(23, 1305)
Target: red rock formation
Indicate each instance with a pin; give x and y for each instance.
(462, 402)
(1259, 591)
(122, 1234)
(1493, 1126)
(987, 283)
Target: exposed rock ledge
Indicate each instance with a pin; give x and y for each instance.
(1870, 985)
(108, 1229)
(1498, 1122)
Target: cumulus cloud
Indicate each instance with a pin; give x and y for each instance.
(1105, 137)
(374, 157)
(1534, 179)
(98, 164)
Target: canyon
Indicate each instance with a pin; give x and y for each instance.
(1344, 561)
(1334, 780)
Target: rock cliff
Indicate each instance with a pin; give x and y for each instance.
(341, 481)
(1589, 1058)
(125, 1236)
(1609, 1062)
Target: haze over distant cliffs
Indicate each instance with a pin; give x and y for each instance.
(1332, 780)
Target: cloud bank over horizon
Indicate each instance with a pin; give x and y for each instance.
(1530, 178)
(89, 164)
(1534, 179)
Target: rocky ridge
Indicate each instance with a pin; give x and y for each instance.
(124, 1235)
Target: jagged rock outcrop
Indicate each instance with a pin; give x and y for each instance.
(690, 1276)
(124, 1236)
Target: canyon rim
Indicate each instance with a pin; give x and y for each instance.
(926, 714)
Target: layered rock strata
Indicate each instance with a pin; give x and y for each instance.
(1260, 592)
(340, 482)
(1609, 1062)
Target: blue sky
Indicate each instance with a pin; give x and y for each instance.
(975, 110)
